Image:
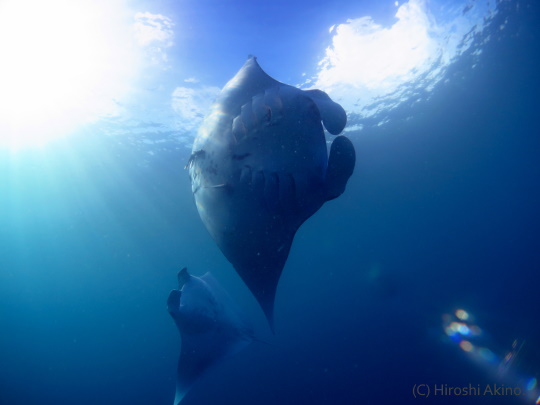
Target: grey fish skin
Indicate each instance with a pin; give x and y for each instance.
(260, 167)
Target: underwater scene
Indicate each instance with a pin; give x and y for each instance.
(269, 202)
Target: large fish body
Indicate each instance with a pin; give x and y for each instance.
(260, 167)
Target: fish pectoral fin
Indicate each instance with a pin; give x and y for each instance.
(340, 167)
(197, 154)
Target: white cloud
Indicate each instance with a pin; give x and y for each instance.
(154, 34)
(191, 105)
(365, 54)
(368, 64)
(153, 28)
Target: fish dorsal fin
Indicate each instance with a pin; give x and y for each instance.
(183, 277)
(333, 115)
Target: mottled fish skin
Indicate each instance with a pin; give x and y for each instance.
(260, 168)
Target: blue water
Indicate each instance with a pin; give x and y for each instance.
(441, 213)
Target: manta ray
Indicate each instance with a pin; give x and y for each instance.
(210, 324)
(260, 167)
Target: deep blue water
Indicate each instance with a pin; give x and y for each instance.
(441, 213)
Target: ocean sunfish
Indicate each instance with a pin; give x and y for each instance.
(260, 167)
(211, 327)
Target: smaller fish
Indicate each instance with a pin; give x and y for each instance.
(211, 327)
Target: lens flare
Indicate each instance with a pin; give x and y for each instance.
(462, 315)
(503, 367)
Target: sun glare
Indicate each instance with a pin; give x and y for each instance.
(375, 59)
(64, 63)
(370, 69)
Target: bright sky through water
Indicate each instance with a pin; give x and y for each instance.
(67, 64)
